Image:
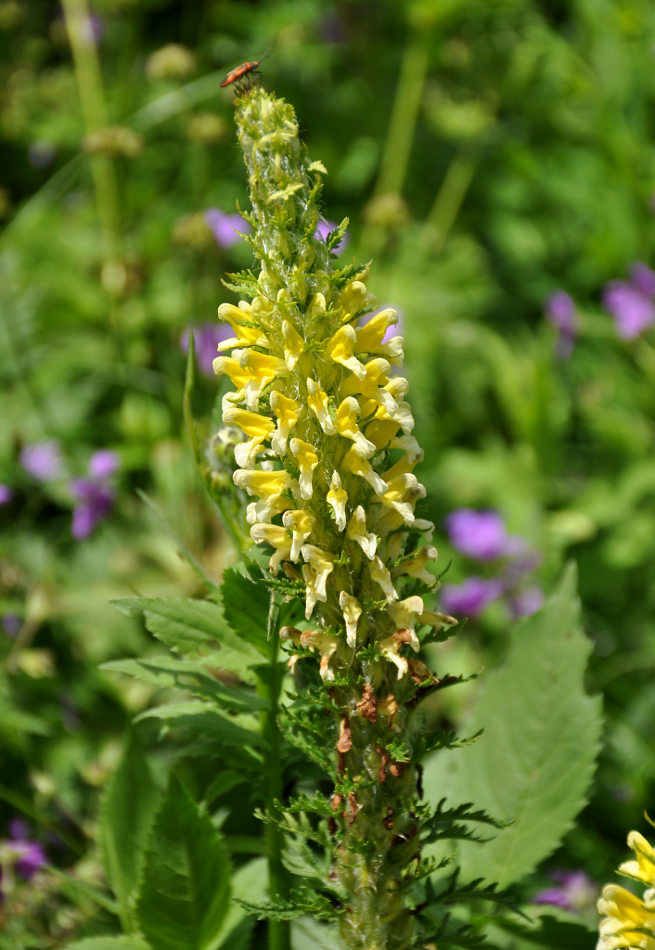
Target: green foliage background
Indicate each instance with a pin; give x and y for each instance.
(487, 154)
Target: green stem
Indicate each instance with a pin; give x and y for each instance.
(448, 202)
(278, 884)
(404, 115)
(94, 110)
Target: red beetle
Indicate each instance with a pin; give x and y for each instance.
(236, 74)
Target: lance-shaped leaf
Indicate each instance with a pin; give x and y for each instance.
(184, 896)
(126, 813)
(536, 757)
(187, 626)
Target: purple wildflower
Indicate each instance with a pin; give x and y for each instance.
(324, 228)
(95, 500)
(11, 624)
(93, 494)
(478, 534)
(42, 460)
(93, 28)
(471, 596)
(631, 304)
(227, 228)
(524, 603)
(6, 494)
(41, 154)
(643, 278)
(561, 314)
(206, 337)
(103, 464)
(27, 856)
(574, 891)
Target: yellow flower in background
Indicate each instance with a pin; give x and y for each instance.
(628, 921)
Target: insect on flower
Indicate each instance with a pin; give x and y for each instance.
(241, 72)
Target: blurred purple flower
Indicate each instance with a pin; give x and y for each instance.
(41, 154)
(561, 314)
(324, 228)
(103, 464)
(524, 603)
(227, 228)
(26, 855)
(575, 891)
(471, 596)
(479, 534)
(42, 460)
(95, 500)
(206, 337)
(643, 278)
(631, 304)
(94, 495)
(6, 494)
(11, 624)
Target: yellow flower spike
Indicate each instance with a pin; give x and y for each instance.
(317, 306)
(643, 869)
(628, 921)
(341, 349)
(356, 531)
(404, 612)
(402, 494)
(259, 428)
(371, 383)
(228, 313)
(266, 509)
(381, 432)
(263, 368)
(315, 640)
(301, 524)
(315, 572)
(237, 375)
(268, 487)
(276, 536)
(415, 566)
(381, 576)
(408, 444)
(402, 415)
(370, 336)
(245, 336)
(307, 461)
(355, 462)
(287, 411)
(294, 344)
(346, 421)
(397, 386)
(390, 647)
(337, 497)
(352, 611)
(317, 401)
(354, 298)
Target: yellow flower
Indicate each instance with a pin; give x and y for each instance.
(628, 921)
(307, 461)
(337, 498)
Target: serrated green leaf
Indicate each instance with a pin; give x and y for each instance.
(185, 892)
(126, 813)
(191, 675)
(246, 604)
(109, 943)
(211, 730)
(186, 625)
(536, 757)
